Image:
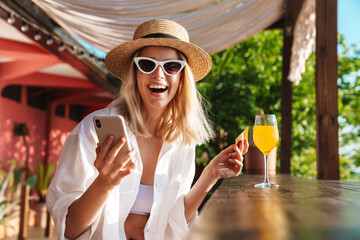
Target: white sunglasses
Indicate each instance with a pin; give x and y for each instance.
(148, 65)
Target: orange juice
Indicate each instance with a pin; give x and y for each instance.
(265, 138)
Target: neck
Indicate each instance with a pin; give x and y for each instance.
(151, 120)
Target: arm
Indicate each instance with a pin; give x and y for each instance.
(228, 163)
(83, 212)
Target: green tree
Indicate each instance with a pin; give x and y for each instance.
(303, 156)
(247, 77)
(303, 161)
(349, 109)
(244, 78)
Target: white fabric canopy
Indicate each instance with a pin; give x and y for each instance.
(304, 41)
(213, 25)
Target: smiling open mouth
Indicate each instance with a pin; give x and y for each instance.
(157, 88)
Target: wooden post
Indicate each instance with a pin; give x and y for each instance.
(24, 211)
(327, 142)
(293, 10)
(49, 231)
(286, 106)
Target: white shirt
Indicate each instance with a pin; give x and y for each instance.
(76, 171)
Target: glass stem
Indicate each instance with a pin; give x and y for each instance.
(266, 180)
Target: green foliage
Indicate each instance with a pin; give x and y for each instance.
(244, 78)
(247, 77)
(304, 116)
(10, 192)
(17, 177)
(303, 158)
(349, 110)
(304, 165)
(348, 169)
(6, 206)
(44, 178)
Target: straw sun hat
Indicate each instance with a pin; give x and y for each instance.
(158, 32)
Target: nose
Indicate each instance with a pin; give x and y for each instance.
(158, 73)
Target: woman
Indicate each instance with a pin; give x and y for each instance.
(145, 193)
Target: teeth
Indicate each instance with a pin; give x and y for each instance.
(157, 86)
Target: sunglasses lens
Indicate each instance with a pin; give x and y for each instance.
(146, 65)
(172, 67)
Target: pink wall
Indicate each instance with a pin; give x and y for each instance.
(12, 147)
(60, 128)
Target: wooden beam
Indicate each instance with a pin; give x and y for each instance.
(15, 69)
(24, 51)
(292, 14)
(91, 70)
(327, 141)
(91, 101)
(286, 108)
(279, 24)
(52, 80)
(62, 97)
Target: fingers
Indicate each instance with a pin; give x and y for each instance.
(111, 179)
(229, 149)
(231, 169)
(115, 150)
(97, 151)
(102, 151)
(122, 160)
(236, 163)
(240, 144)
(120, 174)
(115, 165)
(110, 160)
(245, 147)
(237, 166)
(237, 154)
(229, 162)
(97, 148)
(105, 154)
(105, 147)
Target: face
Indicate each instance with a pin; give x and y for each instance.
(157, 89)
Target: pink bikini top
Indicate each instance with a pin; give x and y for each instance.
(144, 200)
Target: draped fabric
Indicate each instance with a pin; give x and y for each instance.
(212, 24)
(304, 41)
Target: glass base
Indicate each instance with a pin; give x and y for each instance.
(265, 185)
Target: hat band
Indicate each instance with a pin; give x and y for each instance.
(160, 35)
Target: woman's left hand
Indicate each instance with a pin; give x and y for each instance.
(229, 162)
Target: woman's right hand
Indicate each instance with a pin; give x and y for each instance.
(112, 165)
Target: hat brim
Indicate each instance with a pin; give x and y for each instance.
(117, 61)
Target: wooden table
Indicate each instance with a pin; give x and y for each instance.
(298, 209)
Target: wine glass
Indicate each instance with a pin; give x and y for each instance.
(265, 136)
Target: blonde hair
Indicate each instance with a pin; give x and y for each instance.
(184, 118)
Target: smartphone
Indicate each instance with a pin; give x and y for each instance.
(111, 125)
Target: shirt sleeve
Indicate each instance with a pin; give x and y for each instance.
(177, 220)
(74, 174)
